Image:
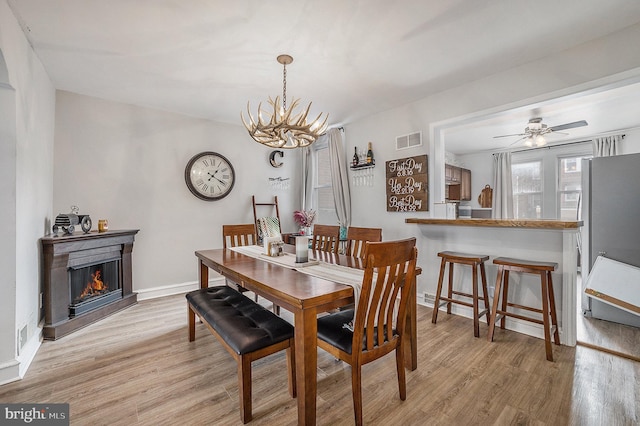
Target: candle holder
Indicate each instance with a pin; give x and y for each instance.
(302, 249)
(103, 225)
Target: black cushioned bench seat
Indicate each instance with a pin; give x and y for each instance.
(247, 330)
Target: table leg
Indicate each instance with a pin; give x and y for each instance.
(306, 330)
(411, 333)
(203, 275)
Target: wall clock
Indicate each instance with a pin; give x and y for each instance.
(209, 176)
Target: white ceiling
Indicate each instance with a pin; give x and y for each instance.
(606, 111)
(207, 58)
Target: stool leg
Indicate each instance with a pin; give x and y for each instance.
(545, 316)
(485, 292)
(450, 292)
(436, 302)
(476, 321)
(505, 294)
(496, 299)
(552, 302)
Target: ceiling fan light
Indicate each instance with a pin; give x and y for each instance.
(528, 141)
(540, 141)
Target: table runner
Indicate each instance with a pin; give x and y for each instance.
(328, 271)
(287, 260)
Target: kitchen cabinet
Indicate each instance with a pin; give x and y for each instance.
(458, 183)
(452, 174)
(465, 184)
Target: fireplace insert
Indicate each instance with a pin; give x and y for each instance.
(93, 286)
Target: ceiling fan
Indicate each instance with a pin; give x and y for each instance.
(536, 129)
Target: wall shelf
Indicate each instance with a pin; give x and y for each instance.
(362, 166)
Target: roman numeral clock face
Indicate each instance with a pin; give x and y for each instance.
(209, 176)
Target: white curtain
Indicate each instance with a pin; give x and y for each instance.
(339, 177)
(307, 179)
(502, 186)
(606, 146)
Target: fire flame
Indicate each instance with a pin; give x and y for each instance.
(95, 286)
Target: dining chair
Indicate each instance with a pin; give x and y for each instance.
(326, 238)
(376, 327)
(356, 237)
(237, 236)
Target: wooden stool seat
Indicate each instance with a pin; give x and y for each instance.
(475, 261)
(543, 269)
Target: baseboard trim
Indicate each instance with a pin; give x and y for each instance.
(608, 351)
(15, 369)
(9, 372)
(29, 352)
(169, 290)
(513, 324)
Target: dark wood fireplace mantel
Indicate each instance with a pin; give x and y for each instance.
(65, 251)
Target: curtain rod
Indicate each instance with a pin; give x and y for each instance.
(562, 144)
(339, 128)
(551, 146)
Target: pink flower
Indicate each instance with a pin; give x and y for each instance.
(304, 217)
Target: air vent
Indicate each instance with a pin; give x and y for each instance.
(409, 141)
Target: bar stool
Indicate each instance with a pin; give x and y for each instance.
(544, 269)
(475, 261)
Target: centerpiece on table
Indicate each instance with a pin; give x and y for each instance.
(304, 219)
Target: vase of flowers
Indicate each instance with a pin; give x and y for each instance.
(304, 219)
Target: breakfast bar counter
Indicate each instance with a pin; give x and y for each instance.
(501, 223)
(530, 239)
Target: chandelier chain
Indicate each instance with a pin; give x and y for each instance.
(284, 87)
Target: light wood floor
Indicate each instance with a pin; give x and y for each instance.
(619, 339)
(136, 367)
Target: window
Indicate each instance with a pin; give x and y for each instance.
(527, 189)
(569, 186)
(323, 191)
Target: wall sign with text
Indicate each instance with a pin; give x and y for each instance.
(407, 189)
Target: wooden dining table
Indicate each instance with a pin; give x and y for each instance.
(305, 296)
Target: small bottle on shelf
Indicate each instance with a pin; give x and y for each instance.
(370, 159)
(355, 161)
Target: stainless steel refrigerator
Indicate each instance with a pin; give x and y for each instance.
(610, 209)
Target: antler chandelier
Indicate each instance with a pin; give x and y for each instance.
(284, 129)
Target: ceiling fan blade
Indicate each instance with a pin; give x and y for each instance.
(508, 136)
(566, 126)
(521, 139)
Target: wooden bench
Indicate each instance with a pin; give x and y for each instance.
(246, 330)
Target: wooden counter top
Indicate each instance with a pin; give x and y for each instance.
(500, 223)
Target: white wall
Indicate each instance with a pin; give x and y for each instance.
(591, 65)
(126, 164)
(26, 202)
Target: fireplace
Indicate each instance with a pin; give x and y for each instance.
(86, 277)
(93, 286)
